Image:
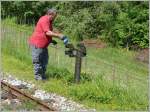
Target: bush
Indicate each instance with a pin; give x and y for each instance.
(120, 23)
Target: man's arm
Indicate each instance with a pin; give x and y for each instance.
(58, 35)
(54, 34)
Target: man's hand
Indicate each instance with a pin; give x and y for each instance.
(54, 42)
(60, 35)
(65, 39)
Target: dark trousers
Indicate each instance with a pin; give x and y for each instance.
(40, 61)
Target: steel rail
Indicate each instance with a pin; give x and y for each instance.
(22, 95)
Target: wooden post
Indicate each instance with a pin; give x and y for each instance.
(113, 74)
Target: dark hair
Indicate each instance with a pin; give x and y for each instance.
(51, 11)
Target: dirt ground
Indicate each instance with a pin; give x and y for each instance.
(94, 43)
(143, 55)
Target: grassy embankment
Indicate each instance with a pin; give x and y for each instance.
(96, 89)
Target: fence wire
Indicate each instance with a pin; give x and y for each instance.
(15, 40)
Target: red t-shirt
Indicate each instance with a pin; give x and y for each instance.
(39, 37)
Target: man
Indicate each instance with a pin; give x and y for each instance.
(39, 41)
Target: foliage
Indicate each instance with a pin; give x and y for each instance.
(116, 22)
(94, 90)
(120, 23)
(97, 93)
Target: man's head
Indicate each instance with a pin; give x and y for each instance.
(52, 13)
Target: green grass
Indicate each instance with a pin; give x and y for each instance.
(97, 89)
(97, 93)
(25, 105)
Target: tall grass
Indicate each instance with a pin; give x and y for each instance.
(111, 79)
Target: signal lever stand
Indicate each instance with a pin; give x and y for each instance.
(78, 53)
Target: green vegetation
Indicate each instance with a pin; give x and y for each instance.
(121, 23)
(25, 105)
(93, 92)
(97, 88)
(111, 78)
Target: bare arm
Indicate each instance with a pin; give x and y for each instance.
(54, 34)
(58, 35)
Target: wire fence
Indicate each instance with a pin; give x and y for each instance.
(15, 42)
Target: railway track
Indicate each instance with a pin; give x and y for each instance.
(14, 91)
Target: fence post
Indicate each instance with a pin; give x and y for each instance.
(113, 74)
(127, 78)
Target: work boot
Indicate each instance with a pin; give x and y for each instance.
(44, 77)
